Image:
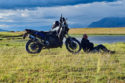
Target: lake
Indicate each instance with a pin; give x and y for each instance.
(100, 39)
(105, 39)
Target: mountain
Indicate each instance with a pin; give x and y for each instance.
(109, 22)
(1, 30)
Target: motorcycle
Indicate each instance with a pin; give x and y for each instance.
(39, 40)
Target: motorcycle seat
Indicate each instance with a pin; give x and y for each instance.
(45, 32)
(48, 32)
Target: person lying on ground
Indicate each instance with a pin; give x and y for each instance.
(88, 46)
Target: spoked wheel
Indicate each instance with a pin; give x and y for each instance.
(33, 47)
(73, 45)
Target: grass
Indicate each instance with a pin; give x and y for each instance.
(11, 35)
(8, 34)
(59, 66)
(97, 31)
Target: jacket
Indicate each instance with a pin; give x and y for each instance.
(86, 45)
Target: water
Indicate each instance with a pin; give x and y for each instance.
(105, 39)
(100, 39)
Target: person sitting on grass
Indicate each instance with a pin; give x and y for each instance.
(89, 47)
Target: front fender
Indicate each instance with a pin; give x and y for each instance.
(69, 39)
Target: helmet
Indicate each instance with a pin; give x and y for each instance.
(57, 23)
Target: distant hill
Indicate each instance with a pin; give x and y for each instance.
(1, 30)
(109, 22)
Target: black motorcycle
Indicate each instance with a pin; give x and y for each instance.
(42, 40)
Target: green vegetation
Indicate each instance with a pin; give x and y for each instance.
(97, 31)
(11, 35)
(59, 66)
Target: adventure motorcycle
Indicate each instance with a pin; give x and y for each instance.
(42, 40)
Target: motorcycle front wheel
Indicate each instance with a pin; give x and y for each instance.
(33, 47)
(73, 45)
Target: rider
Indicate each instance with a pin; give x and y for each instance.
(89, 47)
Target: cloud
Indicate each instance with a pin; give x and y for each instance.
(42, 18)
(23, 4)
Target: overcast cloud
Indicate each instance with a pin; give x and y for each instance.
(79, 14)
(21, 4)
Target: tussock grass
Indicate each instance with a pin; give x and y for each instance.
(59, 66)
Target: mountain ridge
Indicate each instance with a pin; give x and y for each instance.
(109, 22)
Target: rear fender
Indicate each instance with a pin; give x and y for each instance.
(25, 35)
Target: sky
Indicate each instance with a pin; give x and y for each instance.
(17, 15)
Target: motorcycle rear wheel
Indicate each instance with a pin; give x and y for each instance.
(33, 47)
